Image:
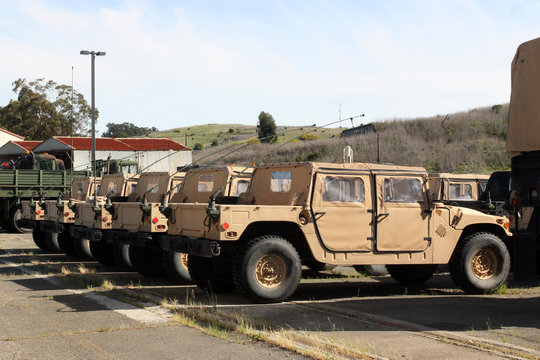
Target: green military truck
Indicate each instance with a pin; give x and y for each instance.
(33, 176)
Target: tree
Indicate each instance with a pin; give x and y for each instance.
(44, 109)
(127, 129)
(266, 128)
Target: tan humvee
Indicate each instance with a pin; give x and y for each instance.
(457, 187)
(61, 210)
(138, 220)
(95, 214)
(32, 210)
(92, 217)
(141, 211)
(223, 183)
(342, 214)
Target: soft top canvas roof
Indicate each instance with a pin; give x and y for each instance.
(524, 121)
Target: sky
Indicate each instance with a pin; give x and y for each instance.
(183, 63)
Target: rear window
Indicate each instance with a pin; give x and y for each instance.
(401, 190)
(281, 181)
(152, 187)
(206, 183)
(80, 188)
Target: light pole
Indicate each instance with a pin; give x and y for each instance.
(93, 156)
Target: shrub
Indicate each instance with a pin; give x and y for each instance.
(198, 146)
(309, 137)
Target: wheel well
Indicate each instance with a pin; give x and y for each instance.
(490, 228)
(287, 230)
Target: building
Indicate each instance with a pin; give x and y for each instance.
(13, 149)
(152, 154)
(359, 130)
(6, 136)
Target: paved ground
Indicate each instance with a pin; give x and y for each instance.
(52, 315)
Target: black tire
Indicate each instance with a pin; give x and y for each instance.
(317, 266)
(121, 255)
(480, 263)
(52, 242)
(40, 239)
(176, 266)
(66, 244)
(411, 274)
(102, 252)
(211, 274)
(82, 248)
(147, 260)
(267, 269)
(373, 270)
(14, 215)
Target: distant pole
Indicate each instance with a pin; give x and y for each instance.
(340, 116)
(93, 156)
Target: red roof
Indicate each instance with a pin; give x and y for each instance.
(85, 143)
(148, 144)
(27, 144)
(9, 132)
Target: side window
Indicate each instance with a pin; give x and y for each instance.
(460, 192)
(281, 181)
(133, 187)
(206, 183)
(399, 190)
(343, 189)
(241, 187)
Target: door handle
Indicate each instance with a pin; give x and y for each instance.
(319, 214)
(382, 216)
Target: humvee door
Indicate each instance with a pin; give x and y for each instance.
(340, 210)
(402, 220)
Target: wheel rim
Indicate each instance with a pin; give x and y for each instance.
(270, 270)
(184, 260)
(485, 264)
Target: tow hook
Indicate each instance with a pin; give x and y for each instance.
(215, 249)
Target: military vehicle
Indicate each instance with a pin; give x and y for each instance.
(448, 187)
(60, 215)
(32, 176)
(223, 183)
(523, 143)
(137, 221)
(94, 216)
(341, 214)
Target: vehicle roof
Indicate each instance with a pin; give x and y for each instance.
(350, 166)
(452, 176)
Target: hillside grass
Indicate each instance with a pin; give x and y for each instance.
(227, 134)
(472, 141)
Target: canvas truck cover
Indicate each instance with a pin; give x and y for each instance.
(524, 121)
